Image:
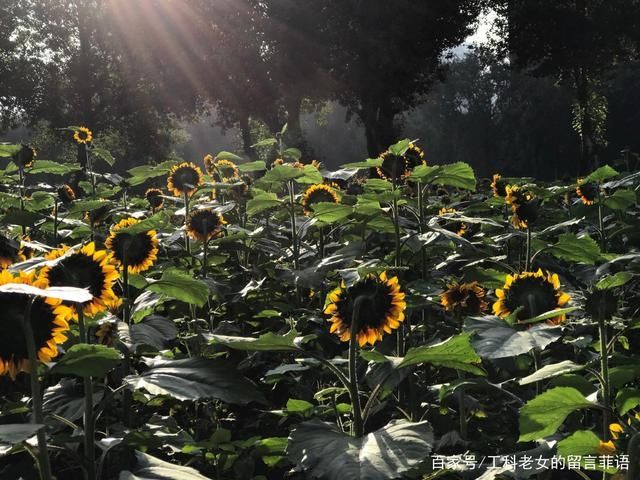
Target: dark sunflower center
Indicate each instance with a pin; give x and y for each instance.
(373, 308)
(9, 249)
(131, 249)
(412, 158)
(80, 271)
(185, 177)
(589, 190)
(12, 341)
(318, 196)
(393, 166)
(501, 188)
(154, 198)
(534, 294)
(528, 211)
(204, 222)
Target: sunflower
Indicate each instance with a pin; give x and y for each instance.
(587, 191)
(49, 321)
(83, 135)
(139, 250)
(10, 252)
(459, 228)
(107, 332)
(24, 157)
(222, 170)
(66, 194)
(154, 198)
(205, 224)
(318, 193)
(183, 178)
(395, 167)
(516, 195)
(464, 299)
(85, 268)
(526, 213)
(531, 294)
(381, 308)
(97, 216)
(498, 186)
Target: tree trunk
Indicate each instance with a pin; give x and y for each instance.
(84, 68)
(245, 131)
(294, 136)
(379, 128)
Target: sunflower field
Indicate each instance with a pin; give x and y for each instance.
(251, 320)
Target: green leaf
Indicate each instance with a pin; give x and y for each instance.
(576, 249)
(85, 360)
(196, 378)
(613, 281)
(267, 342)
(311, 176)
(292, 154)
(621, 200)
(151, 468)
(14, 433)
(24, 218)
(157, 221)
(455, 352)
(458, 174)
(9, 149)
(580, 443)
(627, 399)
(323, 451)
(281, 173)
(601, 174)
(378, 185)
(550, 371)
(224, 155)
(400, 148)
(53, 168)
(299, 406)
(261, 201)
(256, 166)
(66, 399)
(487, 277)
(104, 155)
(180, 285)
(329, 212)
(368, 163)
(543, 415)
(267, 142)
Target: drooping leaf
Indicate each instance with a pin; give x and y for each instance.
(14, 433)
(310, 176)
(580, 443)
(155, 331)
(455, 352)
(195, 378)
(601, 174)
(543, 415)
(322, 451)
(157, 221)
(256, 166)
(66, 399)
(178, 284)
(268, 342)
(83, 360)
(53, 168)
(368, 163)
(329, 213)
(261, 201)
(69, 294)
(621, 200)
(152, 468)
(627, 399)
(104, 155)
(224, 155)
(9, 149)
(576, 249)
(549, 371)
(459, 175)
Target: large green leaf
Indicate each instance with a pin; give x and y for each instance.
(322, 451)
(14, 433)
(256, 166)
(368, 163)
(495, 338)
(178, 284)
(268, 342)
(328, 212)
(66, 399)
(151, 468)
(627, 399)
(543, 415)
(310, 176)
(9, 149)
(580, 443)
(458, 174)
(261, 201)
(85, 360)
(601, 174)
(154, 331)
(155, 222)
(576, 249)
(54, 168)
(621, 200)
(104, 155)
(24, 218)
(224, 155)
(613, 281)
(195, 378)
(455, 352)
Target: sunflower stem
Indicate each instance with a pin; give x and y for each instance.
(21, 187)
(55, 221)
(537, 363)
(357, 426)
(185, 196)
(321, 242)
(90, 169)
(527, 264)
(205, 259)
(603, 235)
(125, 289)
(604, 373)
(89, 426)
(36, 398)
(462, 410)
(294, 229)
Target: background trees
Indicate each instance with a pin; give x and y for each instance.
(137, 72)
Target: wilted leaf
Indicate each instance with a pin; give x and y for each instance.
(549, 371)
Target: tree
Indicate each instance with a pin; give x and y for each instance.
(576, 42)
(384, 56)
